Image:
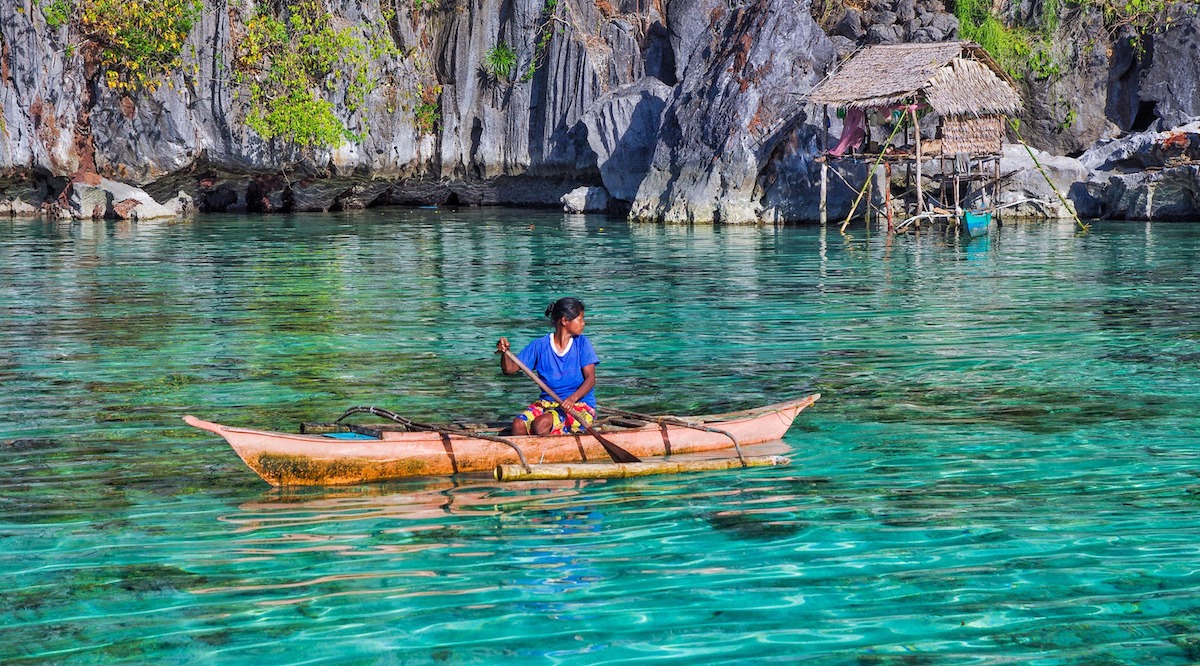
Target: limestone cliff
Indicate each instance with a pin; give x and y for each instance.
(60, 120)
(738, 96)
(685, 110)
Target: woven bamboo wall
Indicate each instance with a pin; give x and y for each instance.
(975, 136)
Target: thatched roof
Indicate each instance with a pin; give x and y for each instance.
(955, 78)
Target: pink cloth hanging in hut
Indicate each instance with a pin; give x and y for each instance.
(854, 130)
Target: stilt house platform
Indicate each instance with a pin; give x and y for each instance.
(884, 94)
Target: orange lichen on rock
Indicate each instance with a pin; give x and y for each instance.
(1176, 140)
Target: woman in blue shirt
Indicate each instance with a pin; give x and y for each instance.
(566, 362)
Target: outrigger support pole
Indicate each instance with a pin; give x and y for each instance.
(409, 423)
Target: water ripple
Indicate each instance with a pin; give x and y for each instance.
(1001, 470)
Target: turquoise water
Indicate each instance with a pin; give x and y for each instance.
(1003, 468)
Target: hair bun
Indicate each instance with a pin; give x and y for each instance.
(567, 307)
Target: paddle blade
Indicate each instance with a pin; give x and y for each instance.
(617, 453)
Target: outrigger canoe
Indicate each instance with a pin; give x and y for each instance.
(324, 455)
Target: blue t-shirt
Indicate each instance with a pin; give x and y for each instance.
(563, 374)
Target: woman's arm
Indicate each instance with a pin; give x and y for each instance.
(506, 366)
(589, 381)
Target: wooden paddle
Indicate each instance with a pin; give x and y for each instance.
(618, 454)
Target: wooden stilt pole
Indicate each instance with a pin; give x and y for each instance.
(908, 181)
(825, 190)
(824, 128)
(872, 175)
(917, 143)
(944, 187)
(887, 197)
(825, 165)
(996, 188)
(957, 203)
(867, 184)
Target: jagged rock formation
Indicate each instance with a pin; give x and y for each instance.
(622, 131)
(715, 139)
(1068, 111)
(1150, 175)
(586, 200)
(98, 198)
(1038, 184)
(890, 22)
(684, 110)
(1171, 81)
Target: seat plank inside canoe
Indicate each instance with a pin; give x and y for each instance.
(372, 431)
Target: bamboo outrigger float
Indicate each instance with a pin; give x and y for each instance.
(627, 470)
(323, 455)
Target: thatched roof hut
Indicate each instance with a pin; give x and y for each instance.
(955, 78)
(958, 80)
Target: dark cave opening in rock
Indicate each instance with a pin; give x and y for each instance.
(1146, 115)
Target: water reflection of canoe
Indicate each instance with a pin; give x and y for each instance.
(423, 502)
(389, 452)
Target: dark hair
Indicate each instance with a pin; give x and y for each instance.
(568, 308)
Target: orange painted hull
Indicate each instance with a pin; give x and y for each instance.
(284, 459)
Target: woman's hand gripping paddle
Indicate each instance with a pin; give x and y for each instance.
(615, 452)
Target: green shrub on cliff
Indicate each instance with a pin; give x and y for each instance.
(1009, 46)
(138, 43)
(1030, 51)
(1021, 50)
(1145, 17)
(500, 61)
(290, 64)
(428, 111)
(56, 13)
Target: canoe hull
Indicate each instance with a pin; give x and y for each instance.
(284, 459)
(976, 222)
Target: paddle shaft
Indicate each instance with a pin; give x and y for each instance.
(615, 452)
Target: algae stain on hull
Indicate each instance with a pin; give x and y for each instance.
(284, 470)
(291, 470)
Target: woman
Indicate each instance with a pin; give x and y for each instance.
(566, 362)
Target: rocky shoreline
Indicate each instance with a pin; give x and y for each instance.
(680, 111)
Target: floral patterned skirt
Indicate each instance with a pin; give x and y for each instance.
(564, 423)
